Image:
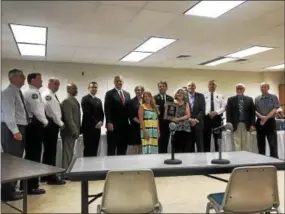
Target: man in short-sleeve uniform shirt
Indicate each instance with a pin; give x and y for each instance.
(266, 106)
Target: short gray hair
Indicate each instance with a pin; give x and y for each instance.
(139, 86)
(264, 83)
(53, 79)
(240, 85)
(14, 72)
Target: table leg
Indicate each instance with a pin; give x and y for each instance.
(84, 197)
(25, 198)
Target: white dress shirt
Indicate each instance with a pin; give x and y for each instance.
(119, 92)
(219, 103)
(13, 111)
(52, 107)
(35, 104)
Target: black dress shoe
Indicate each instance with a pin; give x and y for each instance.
(56, 181)
(12, 197)
(37, 191)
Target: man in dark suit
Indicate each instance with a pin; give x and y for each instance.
(92, 121)
(117, 118)
(197, 110)
(160, 100)
(240, 113)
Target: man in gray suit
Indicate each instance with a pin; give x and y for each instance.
(72, 120)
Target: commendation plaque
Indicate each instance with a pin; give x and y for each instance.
(170, 111)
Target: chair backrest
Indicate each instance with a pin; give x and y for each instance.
(251, 189)
(129, 192)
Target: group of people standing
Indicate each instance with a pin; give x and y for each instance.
(32, 119)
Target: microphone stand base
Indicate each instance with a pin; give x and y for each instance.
(172, 161)
(220, 161)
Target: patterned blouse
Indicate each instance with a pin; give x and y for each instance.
(184, 125)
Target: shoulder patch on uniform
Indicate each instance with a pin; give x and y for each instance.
(35, 96)
(223, 97)
(48, 98)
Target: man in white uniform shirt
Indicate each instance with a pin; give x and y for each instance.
(35, 129)
(215, 107)
(13, 126)
(54, 116)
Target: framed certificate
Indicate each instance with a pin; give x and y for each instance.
(170, 111)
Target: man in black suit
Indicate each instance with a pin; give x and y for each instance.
(197, 109)
(92, 121)
(240, 113)
(160, 100)
(117, 118)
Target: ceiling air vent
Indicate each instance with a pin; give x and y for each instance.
(183, 56)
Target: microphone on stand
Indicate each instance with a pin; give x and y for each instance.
(218, 130)
(172, 127)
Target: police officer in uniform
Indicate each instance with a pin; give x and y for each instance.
(215, 107)
(13, 126)
(35, 129)
(266, 106)
(161, 99)
(53, 114)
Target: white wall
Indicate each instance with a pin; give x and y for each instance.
(148, 77)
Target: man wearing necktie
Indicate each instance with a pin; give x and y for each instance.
(215, 107)
(197, 109)
(117, 122)
(161, 99)
(54, 116)
(13, 126)
(240, 112)
(71, 116)
(35, 129)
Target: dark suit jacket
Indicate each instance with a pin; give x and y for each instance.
(92, 112)
(232, 112)
(115, 111)
(133, 108)
(198, 110)
(160, 103)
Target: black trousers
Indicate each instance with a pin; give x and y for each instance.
(91, 139)
(50, 137)
(268, 130)
(181, 142)
(164, 136)
(210, 124)
(33, 148)
(117, 141)
(196, 138)
(12, 147)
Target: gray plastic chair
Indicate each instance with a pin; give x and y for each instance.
(130, 192)
(249, 190)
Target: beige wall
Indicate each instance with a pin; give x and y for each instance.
(274, 79)
(148, 77)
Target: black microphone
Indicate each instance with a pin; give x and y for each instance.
(227, 126)
(172, 161)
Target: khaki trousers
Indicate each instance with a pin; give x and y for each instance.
(242, 139)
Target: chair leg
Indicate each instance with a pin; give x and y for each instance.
(208, 207)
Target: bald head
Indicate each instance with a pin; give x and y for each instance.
(118, 82)
(191, 86)
(264, 88)
(71, 89)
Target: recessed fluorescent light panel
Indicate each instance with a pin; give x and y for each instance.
(220, 61)
(276, 67)
(154, 44)
(249, 52)
(212, 9)
(31, 40)
(32, 50)
(135, 56)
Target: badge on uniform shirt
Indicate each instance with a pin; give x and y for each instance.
(35, 96)
(217, 96)
(48, 98)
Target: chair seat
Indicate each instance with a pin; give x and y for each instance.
(217, 198)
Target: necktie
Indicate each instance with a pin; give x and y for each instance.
(24, 104)
(56, 98)
(191, 101)
(122, 97)
(212, 102)
(240, 106)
